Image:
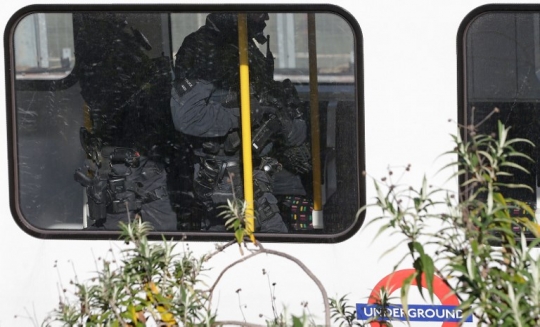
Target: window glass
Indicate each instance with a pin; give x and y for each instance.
(151, 122)
(501, 57)
(289, 43)
(44, 46)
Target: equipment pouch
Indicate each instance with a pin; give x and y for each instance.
(297, 159)
(232, 143)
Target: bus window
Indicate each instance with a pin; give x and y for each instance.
(501, 61)
(137, 112)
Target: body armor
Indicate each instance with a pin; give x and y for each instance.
(205, 108)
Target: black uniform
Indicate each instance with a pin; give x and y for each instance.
(205, 108)
(130, 135)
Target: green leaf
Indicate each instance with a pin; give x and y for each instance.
(499, 198)
(297, 322)
(514, 165)
(405, 293)
(429, 272)
(417, 203)
(239, 235)
(416, 247)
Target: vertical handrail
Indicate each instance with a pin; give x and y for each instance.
(246, 122)
(87, 120)
(318, 221)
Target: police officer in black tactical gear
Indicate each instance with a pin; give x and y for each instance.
(205, 109)
(128, 137)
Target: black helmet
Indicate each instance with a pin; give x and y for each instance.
(256, 22)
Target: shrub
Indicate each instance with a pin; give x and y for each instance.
(155, 285)
(469, 241)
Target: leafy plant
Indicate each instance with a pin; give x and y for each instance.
(474, 248)
(153, 284)
(345, 315)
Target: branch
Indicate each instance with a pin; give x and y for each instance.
(117, 313)
(286, 256)
(220, 248)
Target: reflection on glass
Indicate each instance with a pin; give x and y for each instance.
(502, 63)
(44, 47)
(152, 125)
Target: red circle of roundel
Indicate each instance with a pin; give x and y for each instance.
(394, 281)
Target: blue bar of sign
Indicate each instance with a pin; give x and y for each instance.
(417, 312)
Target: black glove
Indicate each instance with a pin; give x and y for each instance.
(297, 159)
(294, 132)
(259, 112)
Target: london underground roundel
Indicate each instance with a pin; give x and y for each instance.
(447, 312)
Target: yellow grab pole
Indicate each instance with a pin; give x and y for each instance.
(246, 122)
(318, 221)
